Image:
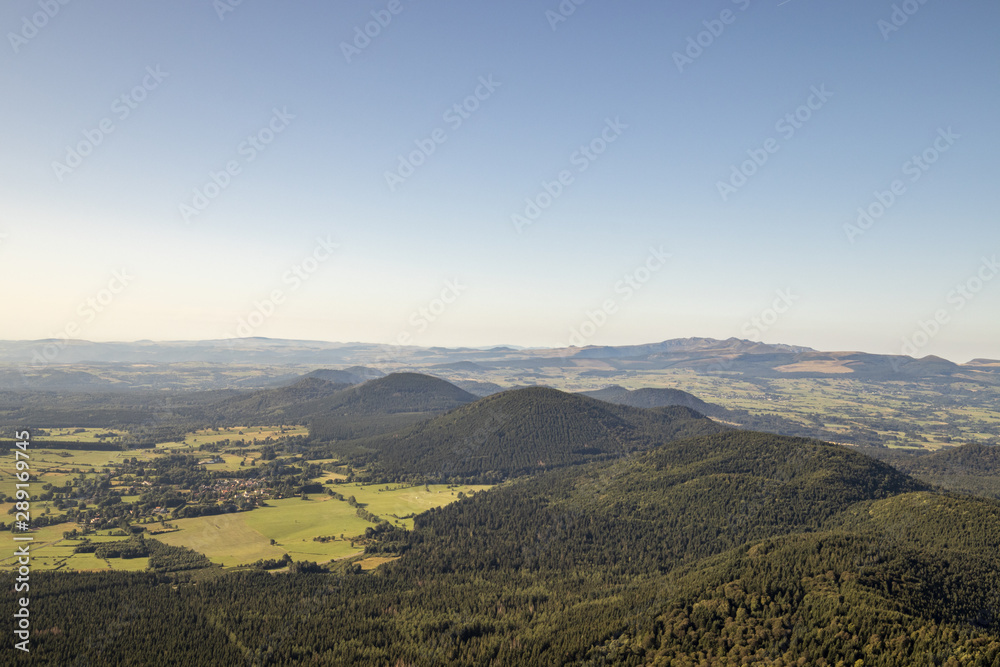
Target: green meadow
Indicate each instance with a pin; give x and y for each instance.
(245, 537)
(230, 539)
(49, 551)
(248, 434)
(76, 434)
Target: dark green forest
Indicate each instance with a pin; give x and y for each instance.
(520, 432)
(972, 468)
(725, 549)
(617, 535)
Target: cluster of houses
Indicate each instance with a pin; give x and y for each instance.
(229, 489)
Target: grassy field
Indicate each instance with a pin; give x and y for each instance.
(49, 467)
(231, 461)
(248, 434)
(402, 500)
(293, 523)
(329, 474)
(49, 551)
(245, 537)
(373, 562)
(77, 434)
(225, 538)
(55, 466)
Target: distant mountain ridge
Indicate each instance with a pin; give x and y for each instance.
(305, 351)
(688, 345)
(34, 363)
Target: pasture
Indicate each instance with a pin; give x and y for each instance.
(76, 434)
(245, 537)
(49, 551)
(250, 435)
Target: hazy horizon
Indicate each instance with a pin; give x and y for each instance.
(514, 346)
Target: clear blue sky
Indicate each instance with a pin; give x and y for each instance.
(679, 128)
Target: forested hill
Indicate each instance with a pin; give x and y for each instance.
(523, 431)
(384, 405)
(734, 548)
(293, 404)
(974, 459)
(649, 397)
(971, 468)
(344, 410)
(400, 392)
(684, 500)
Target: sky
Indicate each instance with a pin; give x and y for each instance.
(475, 173)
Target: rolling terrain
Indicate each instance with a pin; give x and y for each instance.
(519, 432)
(924, 403)
(649, 397)
(623, 526)
(109, 363)
(343, 410)
(383, 405)
(725, 549)
(972, 469)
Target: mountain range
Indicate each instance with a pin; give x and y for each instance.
(39, 364)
